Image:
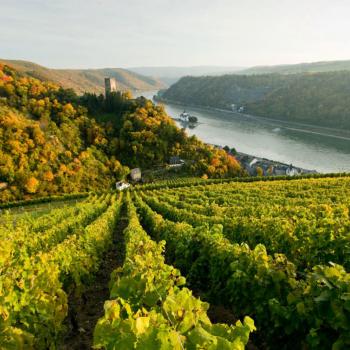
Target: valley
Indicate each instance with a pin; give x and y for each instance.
(306, 146)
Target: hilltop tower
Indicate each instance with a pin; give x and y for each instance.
(110, 85)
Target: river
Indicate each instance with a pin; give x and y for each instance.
(314, 148)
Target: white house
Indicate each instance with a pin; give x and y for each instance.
(291, 171)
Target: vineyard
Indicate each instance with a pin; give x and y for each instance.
(203, 264)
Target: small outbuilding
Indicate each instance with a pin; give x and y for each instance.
(279, 171)
(176, 161)
(121, 185)
(135, 174)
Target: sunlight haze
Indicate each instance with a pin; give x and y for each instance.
(114, 33)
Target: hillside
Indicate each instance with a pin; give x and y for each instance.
(276, 251)
(53, 141)
(314, 98)
(312, 67)
(86, 80)
(318, 99)
(222, 91)
(138, 269)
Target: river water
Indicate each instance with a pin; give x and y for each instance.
(314, 148)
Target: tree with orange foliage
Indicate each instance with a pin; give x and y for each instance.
(215, 162)
(32, 185)
(48, 176)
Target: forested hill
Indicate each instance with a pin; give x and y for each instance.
(53, 141)
(86, 80)
(222, 91)
(312, 67)
(313, 98)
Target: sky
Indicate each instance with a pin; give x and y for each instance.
(129, 33)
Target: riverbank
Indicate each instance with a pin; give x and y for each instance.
(306, 147)
(258, 166)
(290, 125)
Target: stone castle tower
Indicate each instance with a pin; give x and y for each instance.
(110, 85)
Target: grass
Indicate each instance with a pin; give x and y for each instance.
(34, 211)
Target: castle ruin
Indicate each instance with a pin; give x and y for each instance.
(110, 85)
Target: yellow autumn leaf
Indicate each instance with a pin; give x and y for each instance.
(142, 323)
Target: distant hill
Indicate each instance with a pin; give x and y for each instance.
(170, 75)
(313, 67)
(86, 80)
(312, 98)
(222, 91)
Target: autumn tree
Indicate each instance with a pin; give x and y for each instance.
(32, 185)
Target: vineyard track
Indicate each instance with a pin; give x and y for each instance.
(84, 311)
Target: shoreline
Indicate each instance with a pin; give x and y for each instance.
(290, 125)
(266, 163)
(244, 158)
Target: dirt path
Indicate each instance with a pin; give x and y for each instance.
(86, 310)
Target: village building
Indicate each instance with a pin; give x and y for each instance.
(291, 171)
(269, 167)
(135, 174)
(278, 170)
(176, 161)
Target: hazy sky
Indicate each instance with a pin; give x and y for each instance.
(122, 33)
